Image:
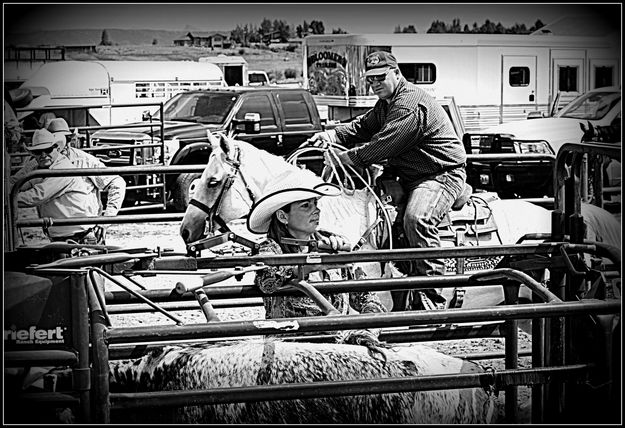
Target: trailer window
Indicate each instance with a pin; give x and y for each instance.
(519, 76)
(419, 73)
(603, 76)
(166, 89)
(567, 79)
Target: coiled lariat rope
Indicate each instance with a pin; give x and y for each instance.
(331, 172)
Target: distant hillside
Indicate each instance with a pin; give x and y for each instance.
(91, 37)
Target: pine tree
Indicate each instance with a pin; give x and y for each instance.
(106, 40)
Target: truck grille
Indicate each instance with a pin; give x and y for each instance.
(115, 152)
(488, 143)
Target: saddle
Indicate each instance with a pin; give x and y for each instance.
(472, 219)
(469, 222)
(469, 212)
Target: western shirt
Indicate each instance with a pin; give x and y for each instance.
(412, 131)
(114, 185)
(274, 277)
(61, 197)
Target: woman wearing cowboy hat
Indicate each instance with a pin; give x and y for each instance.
(289, 210)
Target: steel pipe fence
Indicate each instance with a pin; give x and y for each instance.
(12, 210)
(297, 391)
(119, 336)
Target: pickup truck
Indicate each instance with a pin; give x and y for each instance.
(599, 108)
(277, 120)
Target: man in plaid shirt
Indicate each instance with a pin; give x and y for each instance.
(411, 131)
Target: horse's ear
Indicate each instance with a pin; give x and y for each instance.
(225, 143)
(213, 139)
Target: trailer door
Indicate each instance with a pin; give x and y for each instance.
(518, 81)
(568, 77)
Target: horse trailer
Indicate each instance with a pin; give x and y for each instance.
(56, 86)
(233, 67)
(494, 78)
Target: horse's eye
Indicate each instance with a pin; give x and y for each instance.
(212, 182)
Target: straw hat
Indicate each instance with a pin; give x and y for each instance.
(42, 139)
(60, 140)
(289, 187)
(58, 125)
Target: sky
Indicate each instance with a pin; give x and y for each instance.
(351, 17)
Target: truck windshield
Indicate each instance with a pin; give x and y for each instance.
(591, 106)
(257, 78)
(207, 107)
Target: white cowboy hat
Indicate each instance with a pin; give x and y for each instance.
(41, 140)
(59, 139)
(58, 125)
(289, 187)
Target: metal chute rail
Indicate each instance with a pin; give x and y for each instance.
(575, 353)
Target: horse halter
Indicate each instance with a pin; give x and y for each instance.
(213, 212)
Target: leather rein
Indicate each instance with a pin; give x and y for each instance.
(213, 215)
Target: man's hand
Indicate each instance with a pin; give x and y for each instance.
(323, 139)
(335, 155)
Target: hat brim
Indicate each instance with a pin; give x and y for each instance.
(260, 216)
(378, 71)
(59, 137)
(41, 146)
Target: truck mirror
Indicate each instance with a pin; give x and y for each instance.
(534, 115)
(252, 123)
(146, 116)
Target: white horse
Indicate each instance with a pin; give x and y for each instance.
(237, 174)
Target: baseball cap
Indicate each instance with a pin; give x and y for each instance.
(379, 62)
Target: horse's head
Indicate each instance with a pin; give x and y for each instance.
(221, 194)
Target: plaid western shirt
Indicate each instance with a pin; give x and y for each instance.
(114, 185)
(412, 132)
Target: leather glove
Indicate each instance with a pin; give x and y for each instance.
(323, 139)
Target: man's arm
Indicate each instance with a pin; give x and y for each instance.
(44, 191)
(113, 185)
(401, 131)
(29, 166)
(116, 191)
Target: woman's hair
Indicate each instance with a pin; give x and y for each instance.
(278, 230)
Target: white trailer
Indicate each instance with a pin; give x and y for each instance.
(233, 67)
(494, 78)
(63, 84)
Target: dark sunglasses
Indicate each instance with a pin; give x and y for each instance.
(380, 78)
(40, 152)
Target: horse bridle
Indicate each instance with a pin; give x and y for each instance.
(213, 212)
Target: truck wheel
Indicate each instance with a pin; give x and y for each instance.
(185, 185)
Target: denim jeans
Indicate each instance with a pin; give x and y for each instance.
(427, 204)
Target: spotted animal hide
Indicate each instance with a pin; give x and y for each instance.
(272, 362)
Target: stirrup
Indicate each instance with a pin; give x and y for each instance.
(428, 304)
